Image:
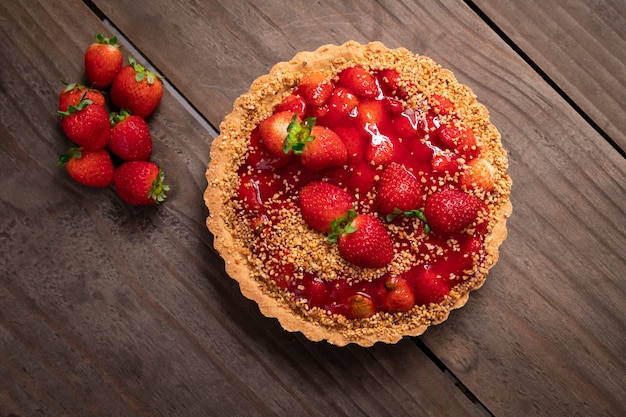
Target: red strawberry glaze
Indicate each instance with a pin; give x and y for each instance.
(377, 131)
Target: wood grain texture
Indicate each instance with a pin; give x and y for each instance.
(545, 336)
(580, 45)
(107, 309)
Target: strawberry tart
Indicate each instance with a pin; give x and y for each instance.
(358, 193)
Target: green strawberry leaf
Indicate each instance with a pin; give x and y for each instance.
(419, 213)
(342, 225)
(298, 135)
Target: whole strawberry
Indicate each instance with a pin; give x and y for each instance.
(318, 146)
(72, 94)
(86, 124)
(451, 211)
(130, 137)
(103, 60)
(91, 168)
(363, 240)
(273, 131)
(398, 188)
(140, 183)
(136, 89)
(321, 203)
(315, 88)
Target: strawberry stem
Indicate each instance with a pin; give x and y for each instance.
(142, 72)
(342, 225)
(298, 135)
(419, 213)
(158, 189)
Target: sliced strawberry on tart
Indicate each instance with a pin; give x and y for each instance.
(358, 193)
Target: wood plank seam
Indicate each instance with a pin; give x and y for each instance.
(537, 68)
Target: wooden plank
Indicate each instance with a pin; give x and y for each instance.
(580, 45)
(111, 310)
(545, 336)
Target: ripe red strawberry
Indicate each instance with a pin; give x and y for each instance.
(130, 137)
(391, 83)
(440, 104)
(451, 211)
(326, 150)
(398, 188)
(294, 103)
(428, 287)
(140, 183)
(321, 203)
(87, 125)
(359, 81)
(363, 240)
(353, 141)
(72, 94)
(274, 129)
(103, 60)
(371, 113)
(380, 150)
(444, 161)
(315, 88)
(399, 296)
(460, 139)
(137, 89)
(479, 174)
(91, 168)
(342, 105)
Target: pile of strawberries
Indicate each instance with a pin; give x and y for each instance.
(113, 148)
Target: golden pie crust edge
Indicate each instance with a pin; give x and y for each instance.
(258, 103)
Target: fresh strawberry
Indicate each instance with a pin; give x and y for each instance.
(399, 295)
(103, 60)
(440, 104)
(363, 240)
(359, 81)
(72, 94)
(353, 141)
(444, 161)
(342, 105)
(392, 84)
(361, 306)
(321, 203)
(458, 138)
(86, 124)
(140, 183)
(451, 211)
(137, 89)
(326, 150)
(408, 125)
(274, 129)
(315, 88)
(398, 188)
(428, 286)
(293, 103)
(130, 137)
(479, 174)
(91, 168)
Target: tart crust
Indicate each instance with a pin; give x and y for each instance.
(227, 152)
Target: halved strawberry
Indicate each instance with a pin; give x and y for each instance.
(321, 203)
(392, 84)
(274, 129)
(363, 240)
(458, 138)
(398, 188)
(479, 174)
(451, 211)
(428, 286)
(445, 161)
(353, 141)
(315, 88)
(399, 294)
(292, 102)
(440, 104)
(361, 306)
(359, 81)
(342, 105)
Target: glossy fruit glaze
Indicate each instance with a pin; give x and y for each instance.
(377, 128)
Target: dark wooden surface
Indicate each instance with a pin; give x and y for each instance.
(111, 310)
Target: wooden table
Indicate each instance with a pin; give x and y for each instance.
(109, 310)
